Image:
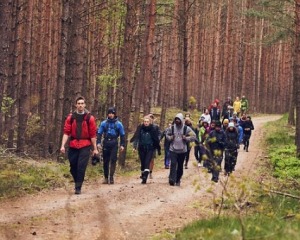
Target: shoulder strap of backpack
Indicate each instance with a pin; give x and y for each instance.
(172, 129)
(184, 129)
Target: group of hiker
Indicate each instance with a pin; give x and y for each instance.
(219, 132)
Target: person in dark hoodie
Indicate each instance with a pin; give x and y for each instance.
(215, 143)
(248, 127)
(231, 150)
(179, 135)
(146, 141)
(110, 129)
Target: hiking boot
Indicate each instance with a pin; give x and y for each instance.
(144, 181)
(77, 191)
(150, 175)
(171, 182)
(215, 180)
(186, 167)
(105, 181)
(111, 180)
(177, 184)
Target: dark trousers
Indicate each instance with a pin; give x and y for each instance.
(146, 156)
(187, 157)
(230, 160)
(78, 159)
(167, 157)
(110, 154)
(215, 165)
(176, 170)
(246, 139)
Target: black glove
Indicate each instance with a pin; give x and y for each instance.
(159, 152)
(95, 160)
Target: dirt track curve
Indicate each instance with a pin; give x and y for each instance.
(125, 210)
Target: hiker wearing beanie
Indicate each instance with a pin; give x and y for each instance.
(247, 126)
(110, 129)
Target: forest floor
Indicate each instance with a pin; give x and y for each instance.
(127, 209)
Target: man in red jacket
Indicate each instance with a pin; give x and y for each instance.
(81, 127)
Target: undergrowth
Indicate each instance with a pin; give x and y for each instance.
(273, 211)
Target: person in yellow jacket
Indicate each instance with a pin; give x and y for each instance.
(237, 106)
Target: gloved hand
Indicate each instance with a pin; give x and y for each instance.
(159, 152)
(95, 160)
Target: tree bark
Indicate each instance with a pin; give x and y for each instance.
(297, 74)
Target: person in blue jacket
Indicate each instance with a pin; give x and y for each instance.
(108, 133)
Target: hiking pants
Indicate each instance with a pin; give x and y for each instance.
(246, 140)
(230, 159)
(215, 166)
(176, 170)
(110, 154)
(145, 155)
(167, 157)
(78, 159)
(187, 157)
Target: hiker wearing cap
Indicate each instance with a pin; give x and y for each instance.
(81, 127)
(146, 141)
(231, 150)
(179, 135)
(108, 133)
(215, 143)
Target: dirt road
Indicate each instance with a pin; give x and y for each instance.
(125, 210)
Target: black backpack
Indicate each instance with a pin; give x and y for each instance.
(87, 118)
(145, 138)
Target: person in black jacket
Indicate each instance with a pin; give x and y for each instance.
(146, 141)
(247, 125)
(231, 150)
(215, 143)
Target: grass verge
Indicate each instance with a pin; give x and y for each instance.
(275, 210)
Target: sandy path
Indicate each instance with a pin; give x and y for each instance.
(125, 210)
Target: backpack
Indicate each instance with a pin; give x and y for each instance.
(145, 138)
(87, 118)
(179, 144)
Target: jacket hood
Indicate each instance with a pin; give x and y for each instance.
(180, 116)
(112, 120)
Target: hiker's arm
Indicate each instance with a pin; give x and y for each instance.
(63, 143)
(122, 135)
(99, 133)
(94, 144)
